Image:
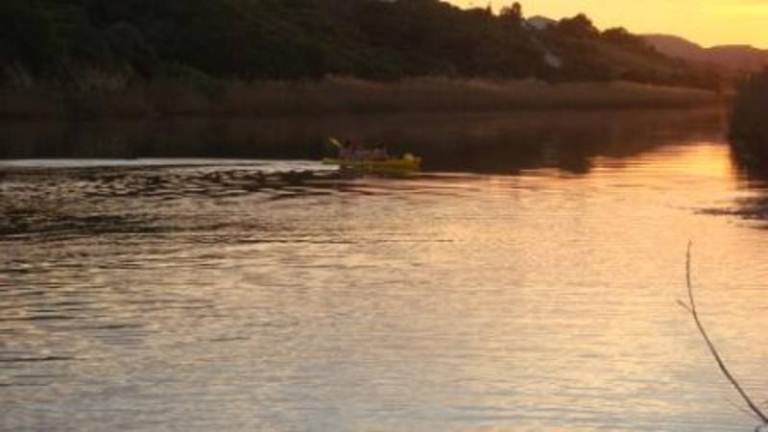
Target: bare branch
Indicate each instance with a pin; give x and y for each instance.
(720, 363)
(683, 305)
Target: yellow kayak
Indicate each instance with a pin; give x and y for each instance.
(404, 165)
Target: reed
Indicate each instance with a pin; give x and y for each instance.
(340, 95)
(118, 97)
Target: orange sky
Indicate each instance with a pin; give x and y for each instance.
(708, 22)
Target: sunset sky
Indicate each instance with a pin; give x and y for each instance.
(708, 22)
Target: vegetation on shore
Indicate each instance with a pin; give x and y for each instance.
(334, 96)
(749, 129)
(96, 58)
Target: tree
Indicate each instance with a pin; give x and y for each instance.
(512, 15)
(579, 26)
(28, 35)
(749, 131)
(620, 36)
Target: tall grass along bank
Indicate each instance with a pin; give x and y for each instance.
(102, 97)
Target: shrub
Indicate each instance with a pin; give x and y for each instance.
(749, 128)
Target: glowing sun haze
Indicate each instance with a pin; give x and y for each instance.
(707, 22)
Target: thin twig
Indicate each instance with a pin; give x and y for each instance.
(720, 363)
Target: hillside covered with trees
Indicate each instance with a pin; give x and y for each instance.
(297, 39)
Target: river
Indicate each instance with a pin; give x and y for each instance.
(209, 275)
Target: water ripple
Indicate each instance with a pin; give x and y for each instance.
(287, 297)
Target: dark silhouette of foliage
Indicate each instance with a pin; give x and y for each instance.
(310, 39)
(749, 129)
(579, 26)
(512, 16)
(28, 35)
(621, 37)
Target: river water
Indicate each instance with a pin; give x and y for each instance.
(527, 280)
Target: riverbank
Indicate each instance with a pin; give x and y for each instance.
(107, 98)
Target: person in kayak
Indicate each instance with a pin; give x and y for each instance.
(380, 153)
(351, 150)
(347, 150)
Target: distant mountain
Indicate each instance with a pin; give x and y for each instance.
(732, 57)
(743, 57)
(676, 46)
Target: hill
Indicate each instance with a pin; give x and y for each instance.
(735, 58)
(676, 46)
(83, 44)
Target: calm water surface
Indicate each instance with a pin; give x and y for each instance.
(533, 289)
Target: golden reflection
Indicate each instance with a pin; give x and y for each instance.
(528, 302)
(703, 159)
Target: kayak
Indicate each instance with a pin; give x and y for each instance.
(404, 165)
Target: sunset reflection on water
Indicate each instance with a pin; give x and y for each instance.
(544, 300)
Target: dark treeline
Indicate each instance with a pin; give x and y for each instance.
(56, 40)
